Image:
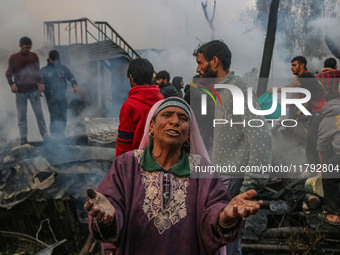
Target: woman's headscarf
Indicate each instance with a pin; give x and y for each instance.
(196, 143)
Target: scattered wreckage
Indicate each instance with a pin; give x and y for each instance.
(42, 192)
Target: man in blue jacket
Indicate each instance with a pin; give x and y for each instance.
(55, 76)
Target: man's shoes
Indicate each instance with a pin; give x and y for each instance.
(23, 141)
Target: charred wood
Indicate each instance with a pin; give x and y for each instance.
(22, 237)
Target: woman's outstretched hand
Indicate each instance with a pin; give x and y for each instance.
(240, 207)
(99, 207)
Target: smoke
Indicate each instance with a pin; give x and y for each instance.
(173, 25)
(326, 29)
(174, 28)
(7, 103)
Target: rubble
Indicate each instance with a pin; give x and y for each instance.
(42, 192)
(8, 159)
(102, 130)
(21, 149)
(282, 226)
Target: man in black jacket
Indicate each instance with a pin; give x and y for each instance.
(166, 88)
(55, 77)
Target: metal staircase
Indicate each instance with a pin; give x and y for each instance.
(98, 57)
(87, 40)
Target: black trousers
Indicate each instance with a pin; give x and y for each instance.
(57, 107)
(331, 187)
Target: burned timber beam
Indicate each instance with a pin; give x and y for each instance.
(22, 237)
(268, 48)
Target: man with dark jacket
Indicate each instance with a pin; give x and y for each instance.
(306, 129)
(142, 96)
(166, 88)
(306, 80)
(55, 77)
(24, 77)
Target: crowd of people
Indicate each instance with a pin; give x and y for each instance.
(158, 163)
(150, 201)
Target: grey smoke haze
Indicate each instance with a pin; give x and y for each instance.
(174, 26)
(171, 25)
(326, 27)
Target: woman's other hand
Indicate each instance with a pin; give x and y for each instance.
(240, 207)
(99, 207)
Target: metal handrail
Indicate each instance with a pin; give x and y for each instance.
(117, 36)
(105, 32)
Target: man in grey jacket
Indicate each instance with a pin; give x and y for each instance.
(329, 154)
(236, 145)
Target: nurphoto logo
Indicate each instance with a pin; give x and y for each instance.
(239, 105)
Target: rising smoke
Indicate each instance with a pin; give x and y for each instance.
(174, 27)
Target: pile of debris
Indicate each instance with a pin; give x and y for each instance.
(42, 192)
(291, 221)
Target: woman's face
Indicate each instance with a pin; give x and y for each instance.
(171, 127)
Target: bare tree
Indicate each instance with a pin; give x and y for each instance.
(294, 21)
(210, 20)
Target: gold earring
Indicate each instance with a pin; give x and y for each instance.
(151, 136)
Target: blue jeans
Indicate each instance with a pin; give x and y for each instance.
(21, 103)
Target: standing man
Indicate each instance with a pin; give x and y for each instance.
(330, 76)
(328, 147)
(142, 96)
(307, 128)
(163, 82)
(24, 77)
(55, 76)
(234, 145)
(306, 80)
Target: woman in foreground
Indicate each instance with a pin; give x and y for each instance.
(149, 204)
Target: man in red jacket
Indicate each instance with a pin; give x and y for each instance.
(132, 117)
(142, 96)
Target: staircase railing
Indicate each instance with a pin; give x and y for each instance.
(83, 31)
